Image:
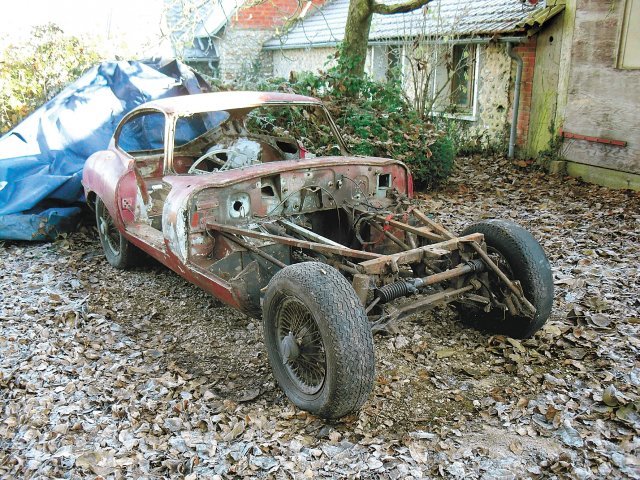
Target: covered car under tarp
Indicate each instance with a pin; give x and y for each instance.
(41, 159)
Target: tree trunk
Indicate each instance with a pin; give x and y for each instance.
(356, 32)
(356, 38)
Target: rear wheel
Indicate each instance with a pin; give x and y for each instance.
(318, 339)
(521, 258)
(117, 249)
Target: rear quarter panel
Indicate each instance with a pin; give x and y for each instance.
(100, 177)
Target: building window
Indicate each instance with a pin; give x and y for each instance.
(463, 72)
(629, 52)
(394, 61)
(454, 79)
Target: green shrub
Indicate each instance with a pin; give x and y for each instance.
(375, 119)
(468, 139)
(431, 172)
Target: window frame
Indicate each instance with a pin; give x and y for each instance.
(167, 148)
(472, 115)
(623, 36)
(455, 76)
(131, 117)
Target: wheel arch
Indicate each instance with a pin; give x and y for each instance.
(91, 197)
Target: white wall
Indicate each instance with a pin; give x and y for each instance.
(302, 60)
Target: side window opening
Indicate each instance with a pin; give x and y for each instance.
(143, 134)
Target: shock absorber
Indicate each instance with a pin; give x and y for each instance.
(408, 287)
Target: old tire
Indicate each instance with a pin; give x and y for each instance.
(315, 323)
(526, 262)
(117, 249)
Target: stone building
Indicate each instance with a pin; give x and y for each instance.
(576, 98)
(555, 79)
(225, 37)
(457, 58)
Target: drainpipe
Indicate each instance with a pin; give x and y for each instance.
(516, 99)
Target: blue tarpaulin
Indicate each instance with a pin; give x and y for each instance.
(41, 159)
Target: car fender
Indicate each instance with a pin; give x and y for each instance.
(100, 177)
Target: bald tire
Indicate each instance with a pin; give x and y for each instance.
(345, 332)
(530, 266)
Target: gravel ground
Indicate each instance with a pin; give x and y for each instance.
(138, 374)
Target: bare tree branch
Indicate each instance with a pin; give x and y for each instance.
(404, 7)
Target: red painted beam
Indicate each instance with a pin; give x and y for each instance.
(587, 138)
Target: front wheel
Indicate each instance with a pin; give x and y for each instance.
(520, 257)
(318, 339)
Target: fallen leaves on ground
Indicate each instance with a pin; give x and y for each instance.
(111, 374)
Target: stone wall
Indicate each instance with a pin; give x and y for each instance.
(493, 94)
(495, 85)
(241, 54)
(316, 59)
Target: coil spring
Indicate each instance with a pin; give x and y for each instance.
(394, 290)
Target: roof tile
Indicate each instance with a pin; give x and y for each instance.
(326, 25)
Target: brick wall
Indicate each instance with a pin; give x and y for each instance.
(269, 14)
(528, 53)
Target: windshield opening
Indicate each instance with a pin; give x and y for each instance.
(223, 140)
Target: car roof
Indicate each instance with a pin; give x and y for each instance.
(210, 102)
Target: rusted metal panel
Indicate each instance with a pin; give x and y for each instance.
(236, 229)
(230, 231)
(209, 102)
(100, 177)
(231, 177)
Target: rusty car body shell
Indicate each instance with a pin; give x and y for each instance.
(230, 231)
(254, 198)
(111, 175)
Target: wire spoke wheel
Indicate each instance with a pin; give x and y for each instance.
(117, 249)
(318, 339)
(108, 230)
(301, 345)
